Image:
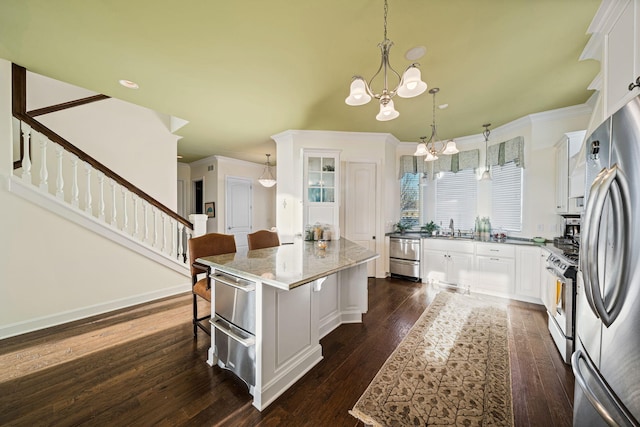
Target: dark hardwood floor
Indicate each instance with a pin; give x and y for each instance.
(141, 366)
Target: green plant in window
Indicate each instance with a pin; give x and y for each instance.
(429, 228)
(400, 227)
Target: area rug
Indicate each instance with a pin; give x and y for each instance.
(452, 369)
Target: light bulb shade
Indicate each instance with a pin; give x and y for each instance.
(450, 148)
(430, 157)
(412, 84)
(421, 150)
(387, 112)
(267, 179)
(486, 175)
(267, 182)
(358, 94)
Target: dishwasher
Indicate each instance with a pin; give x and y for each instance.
(404, 257)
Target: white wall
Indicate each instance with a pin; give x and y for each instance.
(541, 132)
(214, 170)
(133, 141)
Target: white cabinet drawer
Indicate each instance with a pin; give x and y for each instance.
(495, 250)
(447, 245)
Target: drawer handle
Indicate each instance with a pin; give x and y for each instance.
(494, 250)
(249, 287)
(247, 342)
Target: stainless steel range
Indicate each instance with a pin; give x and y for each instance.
(560, 300)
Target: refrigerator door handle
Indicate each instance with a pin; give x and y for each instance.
(605, 412)
(591, 229)
(614, 184)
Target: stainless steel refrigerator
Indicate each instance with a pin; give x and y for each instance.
(606, 362)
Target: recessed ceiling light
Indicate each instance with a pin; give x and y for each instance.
(415, 53)
(443, 106)
(128, 84)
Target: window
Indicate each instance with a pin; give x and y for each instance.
(410, 200)
(506, 195)
(456, 195)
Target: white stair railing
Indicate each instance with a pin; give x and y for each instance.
(87, 195)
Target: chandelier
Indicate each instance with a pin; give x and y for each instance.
(434, 146)
(410, 84)
(486, 175)
(267, 179)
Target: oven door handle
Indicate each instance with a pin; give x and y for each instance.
(616, 186)
(586, 252)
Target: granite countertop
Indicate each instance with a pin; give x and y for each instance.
(290, 265)
(509, 241)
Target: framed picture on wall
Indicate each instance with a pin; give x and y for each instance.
(210, 209)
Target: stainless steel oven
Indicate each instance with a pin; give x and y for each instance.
(404, 257)
(235, 325)
(560, 302)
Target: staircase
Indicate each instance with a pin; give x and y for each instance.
(58, 286)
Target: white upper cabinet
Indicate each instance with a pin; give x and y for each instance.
(567, 151)
(321, 187)
(622, 56)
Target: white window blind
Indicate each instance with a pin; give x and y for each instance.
(456, 195)
(506, 195)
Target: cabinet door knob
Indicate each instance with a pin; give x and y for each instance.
(633, 85)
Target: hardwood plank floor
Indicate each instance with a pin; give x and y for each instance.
(141, 366)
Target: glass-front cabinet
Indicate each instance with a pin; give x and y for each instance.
(322, 187)
(321, 182)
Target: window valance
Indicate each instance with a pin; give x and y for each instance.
(454, 163)
(507, 151)
(469, 159)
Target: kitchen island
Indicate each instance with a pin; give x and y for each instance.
(301, 292)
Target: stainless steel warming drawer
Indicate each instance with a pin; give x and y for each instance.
(235, 325)
(404, 257)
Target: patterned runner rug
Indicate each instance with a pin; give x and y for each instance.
(452, 369)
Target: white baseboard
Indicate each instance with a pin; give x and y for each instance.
(84, 312)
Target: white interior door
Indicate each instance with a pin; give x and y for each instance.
(238, 217)
(360, 207)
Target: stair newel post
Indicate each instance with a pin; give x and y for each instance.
(26, 157)
(180, 239)
(101, 206)
(136, 221)
(44, 172)
(146, 222)
(75, 191)
(125, 216)
(114, 213)
(87, 195)
(59, 178)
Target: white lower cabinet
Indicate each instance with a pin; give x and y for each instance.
(528, 270)
(447, 261)
(495, 269)
(500, 269)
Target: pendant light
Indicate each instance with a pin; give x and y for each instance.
(410, 84)
(486, 175)
(434, 146)
(267, 179)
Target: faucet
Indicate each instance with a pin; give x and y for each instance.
(451, 227)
